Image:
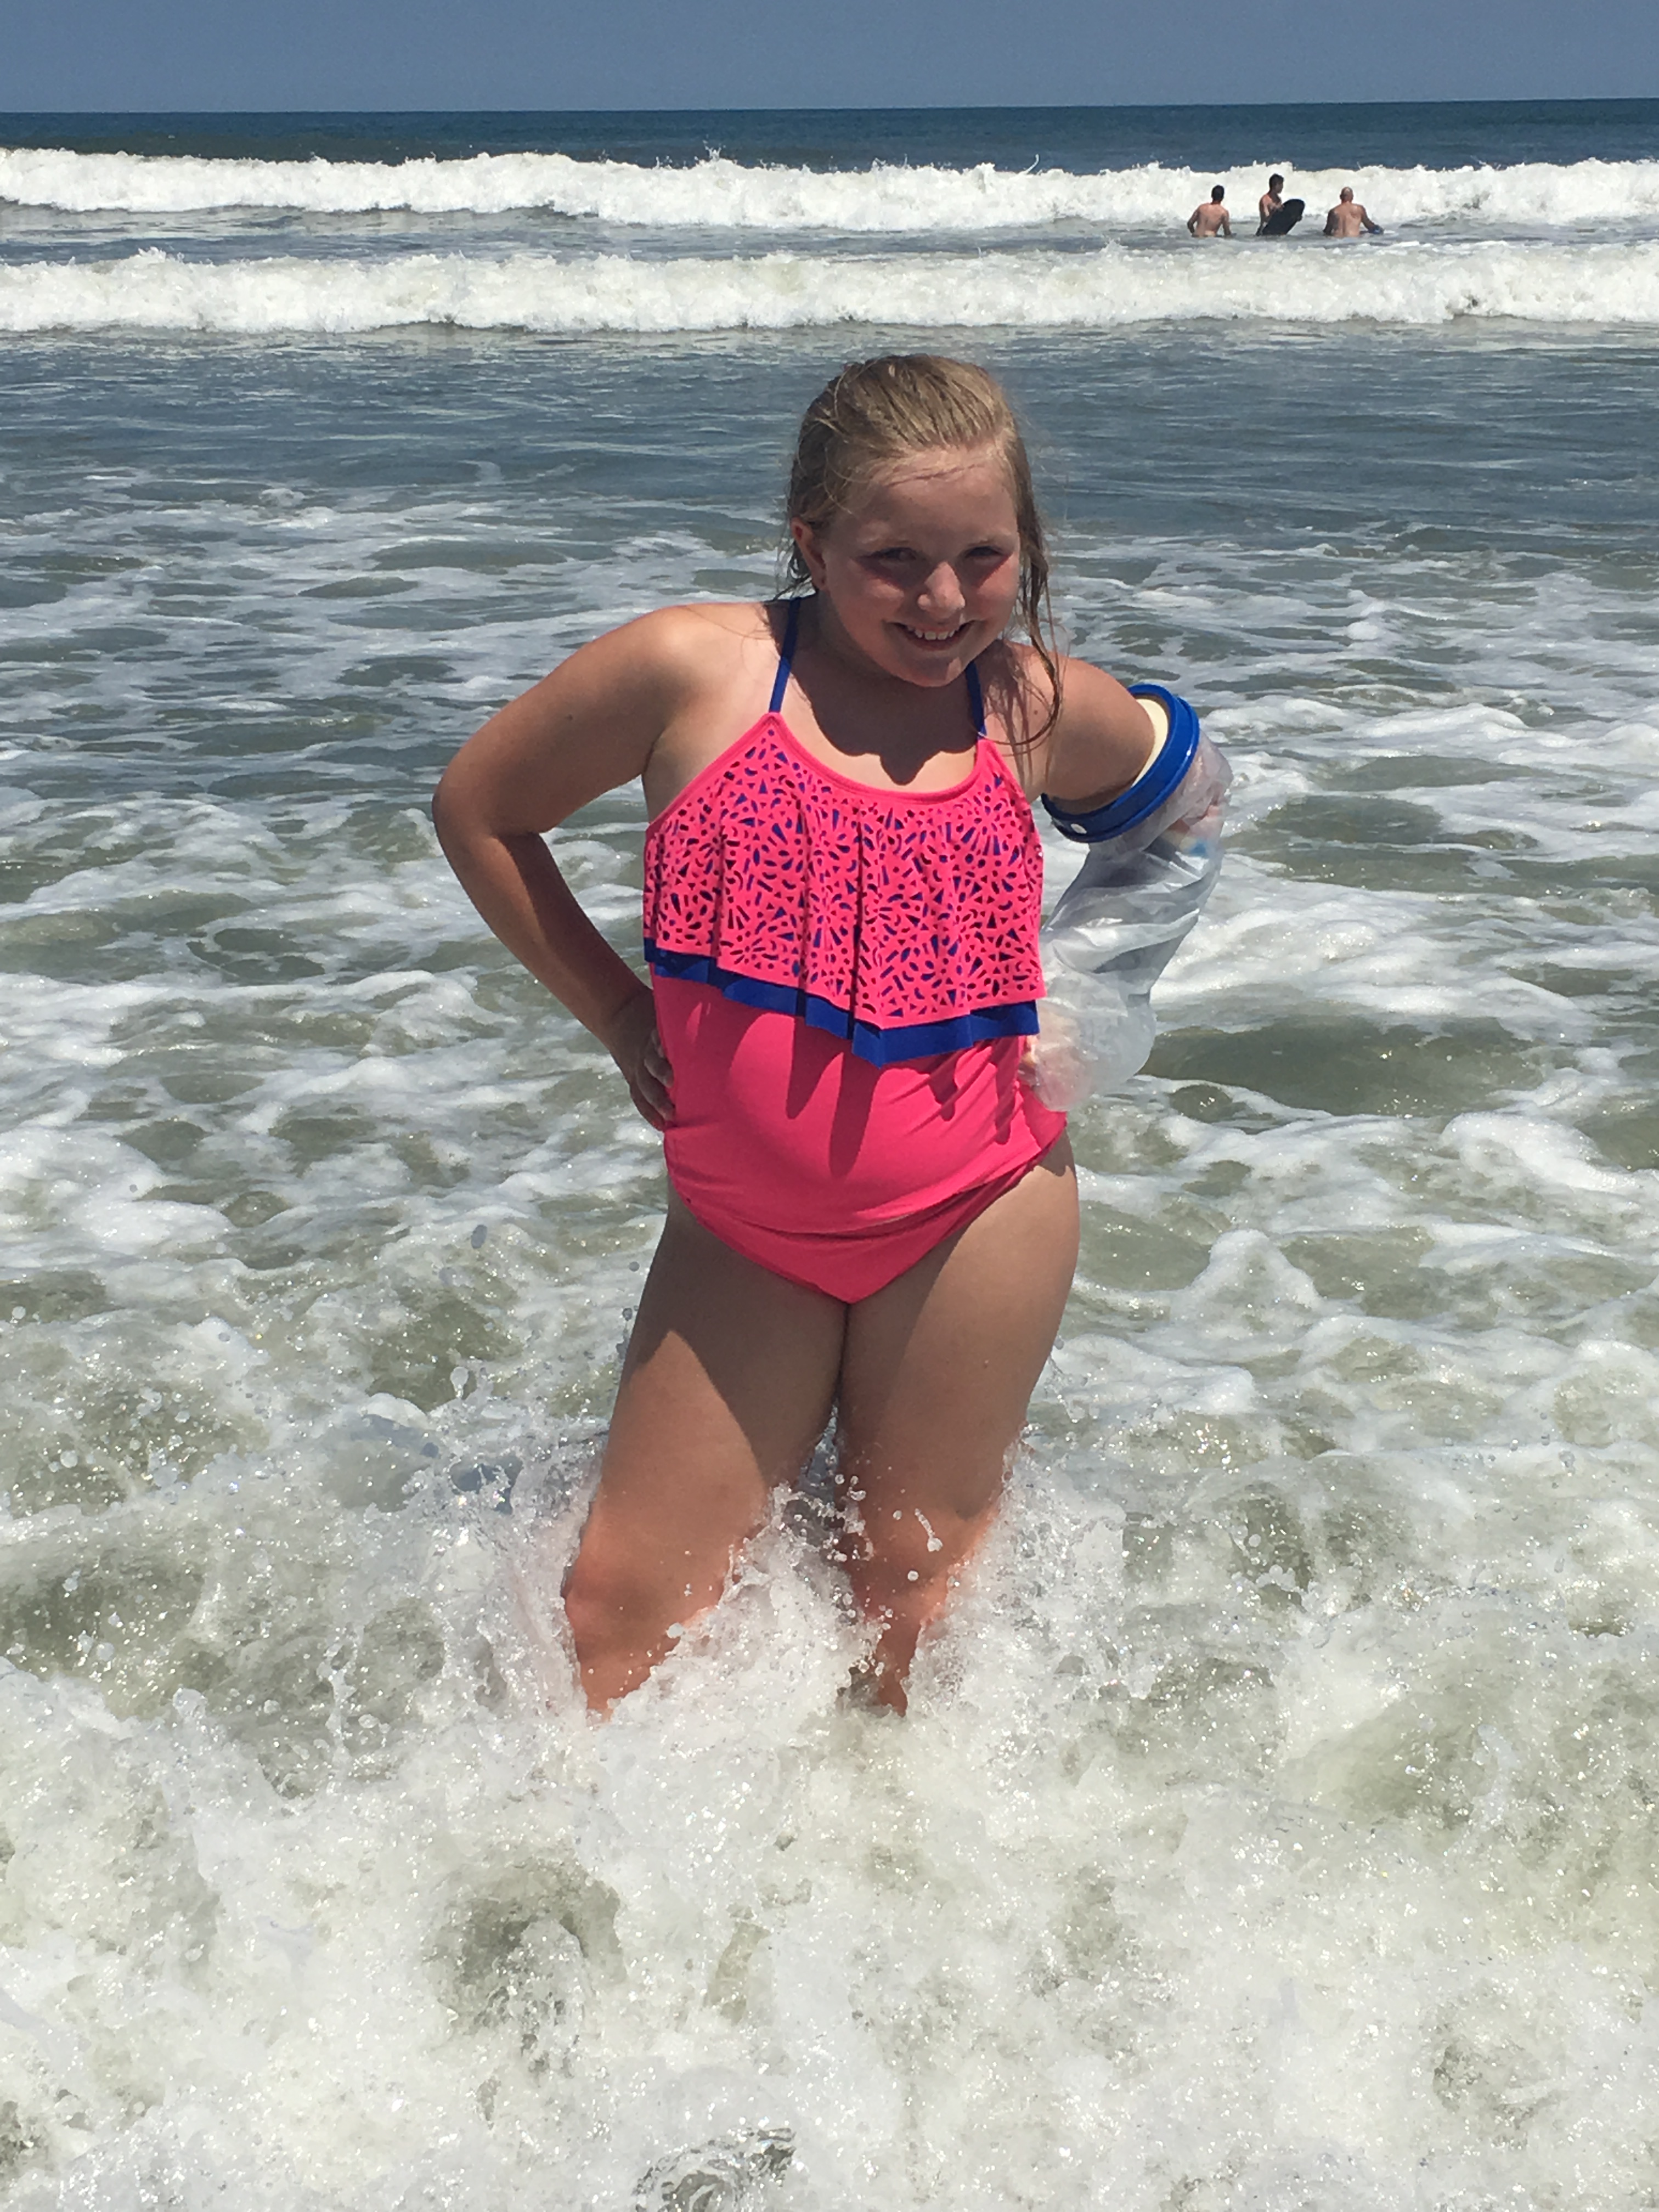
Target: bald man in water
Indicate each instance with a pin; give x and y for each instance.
(1347, 218)
(1210, 218)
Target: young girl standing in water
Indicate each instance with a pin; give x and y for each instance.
(871, 1212)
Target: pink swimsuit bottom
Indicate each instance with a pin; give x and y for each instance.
(844, 975)
(832, 1173)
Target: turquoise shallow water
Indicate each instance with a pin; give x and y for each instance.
(1273, 1825)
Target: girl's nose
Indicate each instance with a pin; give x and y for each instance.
(942, 594)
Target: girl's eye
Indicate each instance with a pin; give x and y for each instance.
(991, 555)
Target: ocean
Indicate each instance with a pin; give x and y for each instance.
(1275, 1824)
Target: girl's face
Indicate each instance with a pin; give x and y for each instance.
(922, 569)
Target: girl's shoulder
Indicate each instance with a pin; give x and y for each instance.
(1063, 719)
(691, 648)
(1049, 702)
(700, 629)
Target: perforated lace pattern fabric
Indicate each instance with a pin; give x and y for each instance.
(905, 921)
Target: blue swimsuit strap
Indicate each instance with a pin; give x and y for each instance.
(976, 698)
(1163, 776)
(781, 681)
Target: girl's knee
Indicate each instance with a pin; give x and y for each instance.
(595, 1607)
(909, 1540)
(617, 1588)
(911, 1564)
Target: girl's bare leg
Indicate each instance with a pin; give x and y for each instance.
(726, 1389)
(936, 1377)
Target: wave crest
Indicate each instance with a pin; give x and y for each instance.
(720, 194)
(1402, 284)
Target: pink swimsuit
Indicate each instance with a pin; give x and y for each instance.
(844, 975)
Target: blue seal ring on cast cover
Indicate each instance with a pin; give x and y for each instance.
(1150, 790)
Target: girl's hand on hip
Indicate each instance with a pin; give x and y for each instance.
(637, 1050)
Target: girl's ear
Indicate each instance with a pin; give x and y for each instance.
(807, 539)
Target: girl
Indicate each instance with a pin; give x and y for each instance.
(871, 1212)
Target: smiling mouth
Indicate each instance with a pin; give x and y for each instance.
(934, 636)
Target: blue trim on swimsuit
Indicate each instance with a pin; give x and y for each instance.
(1149, 790)
(880, 1048)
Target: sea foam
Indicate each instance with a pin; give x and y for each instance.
(1407, 284)
(720, 194)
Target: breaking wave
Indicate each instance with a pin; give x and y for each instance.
(718, 193)
(1401, 283)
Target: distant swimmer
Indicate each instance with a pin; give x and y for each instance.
(1210, 218)
(1347, 218)
(1269, 204)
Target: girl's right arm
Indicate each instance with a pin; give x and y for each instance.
(590, 727)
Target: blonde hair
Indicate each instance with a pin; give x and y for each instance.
(874, 414)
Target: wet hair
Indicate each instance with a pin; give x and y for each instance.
(1274, 181)
(874, 416)
(1219, 192)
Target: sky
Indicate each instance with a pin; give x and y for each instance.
(184, 55)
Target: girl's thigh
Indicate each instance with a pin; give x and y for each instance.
(727, 1384)
(939, 1367)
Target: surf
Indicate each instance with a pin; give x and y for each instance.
(719, 193)
(1405, 284)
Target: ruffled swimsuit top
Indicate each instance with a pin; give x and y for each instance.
(904, 923)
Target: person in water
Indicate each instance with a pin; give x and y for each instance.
(1210, 218)
(1347, 218)
(1269, 203)
(870, 1214)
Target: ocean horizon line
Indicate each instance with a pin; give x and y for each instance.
(849, 107)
